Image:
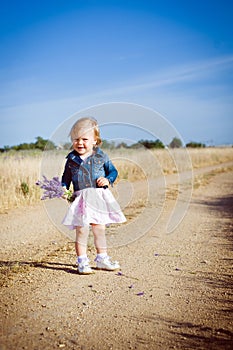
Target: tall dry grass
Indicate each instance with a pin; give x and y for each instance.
(18, 174)
(166, 161)
(19, 171)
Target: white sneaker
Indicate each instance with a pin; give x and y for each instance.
(106, 264)
(84, 268)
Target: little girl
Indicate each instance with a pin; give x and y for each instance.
(91, 172)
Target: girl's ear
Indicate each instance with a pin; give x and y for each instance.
(94, 143)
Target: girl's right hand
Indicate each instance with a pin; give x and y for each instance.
(68, 195)
(102, 182)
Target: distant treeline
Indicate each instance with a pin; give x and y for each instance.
(39, 144)
(43, 144)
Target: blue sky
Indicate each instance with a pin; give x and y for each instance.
(59, 57)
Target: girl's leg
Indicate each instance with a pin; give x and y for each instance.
(103, 261)
(82, 233)
(99, 238)
(81, 250)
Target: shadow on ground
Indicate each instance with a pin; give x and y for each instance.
(222, 208)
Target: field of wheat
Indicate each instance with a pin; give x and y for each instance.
(19, 171)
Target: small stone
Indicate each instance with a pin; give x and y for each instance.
(204, 262)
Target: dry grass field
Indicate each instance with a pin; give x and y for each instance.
(19, 171)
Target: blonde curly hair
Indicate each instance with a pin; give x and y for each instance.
(83, 125)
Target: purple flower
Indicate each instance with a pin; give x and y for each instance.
(131, 286)
(156, 254)
(177, 269)
(140, 293)
(52, 188)
(119, 273)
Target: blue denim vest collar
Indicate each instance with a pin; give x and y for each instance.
(84, 173)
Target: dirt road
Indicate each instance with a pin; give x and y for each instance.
(174, 291)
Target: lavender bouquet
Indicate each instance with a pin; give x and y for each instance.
(53, 189)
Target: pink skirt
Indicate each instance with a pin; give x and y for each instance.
(93, 206)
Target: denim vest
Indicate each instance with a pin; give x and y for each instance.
(84, 173)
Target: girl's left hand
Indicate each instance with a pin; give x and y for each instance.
(102, 181)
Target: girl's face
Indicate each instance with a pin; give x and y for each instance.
(84, 142)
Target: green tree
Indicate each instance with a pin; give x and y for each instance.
(108, 145)
(43, 144)
(175, 143)
(195, 145)
(40, 143)
(122, 145)
(49, 146)
(151, 144)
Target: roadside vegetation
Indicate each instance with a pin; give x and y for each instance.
(20, 170)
